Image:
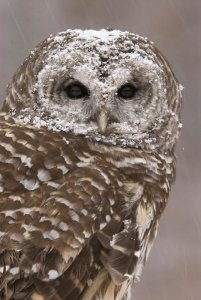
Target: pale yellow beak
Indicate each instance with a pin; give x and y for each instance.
(102, 120)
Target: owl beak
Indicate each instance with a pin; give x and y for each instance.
(102, 120)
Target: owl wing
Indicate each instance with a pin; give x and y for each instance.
(52, 203)
(43, 223)
(64, 226)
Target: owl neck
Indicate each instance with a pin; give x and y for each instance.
(156, 165)
(151, 174)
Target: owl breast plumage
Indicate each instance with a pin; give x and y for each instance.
(87, 137)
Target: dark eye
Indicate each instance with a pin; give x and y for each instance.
(76, 91)
(127, 91)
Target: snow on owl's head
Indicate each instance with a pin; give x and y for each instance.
(109, 85)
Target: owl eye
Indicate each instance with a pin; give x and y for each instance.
(127, 91)
(76, 91)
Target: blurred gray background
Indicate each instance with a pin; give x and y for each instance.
(173, 271)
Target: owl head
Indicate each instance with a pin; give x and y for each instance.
(110, 86)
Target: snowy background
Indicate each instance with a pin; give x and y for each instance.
(173, 271)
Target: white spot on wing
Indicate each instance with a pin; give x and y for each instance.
(51, 235)
(14, 270)
(86, 234)
(43, 175)
(81, 240)
(63, 226)
(16, 198)
(137, 253)
(29, 228)
(74, 216)
(25, 160)
(36, 267)
(4, 268)
(102, 225)
(62, 168)
(53, 274)
(8, 147)
(108, 218)
(16, 237)
(64, 201)
(84, 212)
(53, 184)
(10, 213)
(30, 184)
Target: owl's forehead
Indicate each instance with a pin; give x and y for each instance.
(100, 40)
(100, 47)
(101, 52)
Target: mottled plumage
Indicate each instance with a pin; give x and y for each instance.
(87, 137)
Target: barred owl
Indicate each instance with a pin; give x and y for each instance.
(87, 139)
